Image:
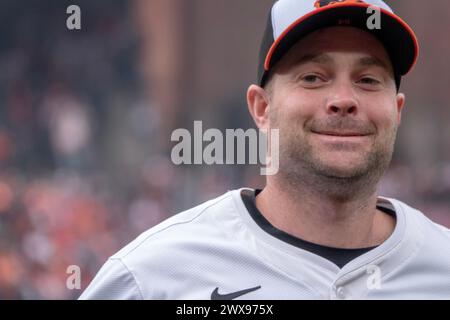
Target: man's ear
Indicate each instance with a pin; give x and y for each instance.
(400, 104)
(258, 106)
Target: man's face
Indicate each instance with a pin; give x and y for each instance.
(334, 100)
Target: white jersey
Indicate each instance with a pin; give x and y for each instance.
(216, 250)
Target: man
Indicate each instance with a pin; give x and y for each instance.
(329, 83)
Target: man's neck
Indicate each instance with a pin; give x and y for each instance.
(319, 219)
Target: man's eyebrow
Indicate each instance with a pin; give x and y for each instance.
(322, 58)
(373, 61)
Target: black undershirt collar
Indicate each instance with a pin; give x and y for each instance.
(338, 256)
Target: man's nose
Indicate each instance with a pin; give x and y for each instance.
(343, 101)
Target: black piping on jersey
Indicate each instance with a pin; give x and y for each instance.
(338, 256)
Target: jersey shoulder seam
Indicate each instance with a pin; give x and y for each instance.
(131, 273)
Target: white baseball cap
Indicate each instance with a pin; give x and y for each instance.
(290, 20)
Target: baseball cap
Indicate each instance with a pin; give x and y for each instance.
(290, 20)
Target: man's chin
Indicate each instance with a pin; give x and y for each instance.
(342, 171)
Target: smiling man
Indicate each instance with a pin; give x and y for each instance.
(318, 229)
(333, 98)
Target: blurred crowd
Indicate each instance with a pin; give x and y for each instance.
(79, 175)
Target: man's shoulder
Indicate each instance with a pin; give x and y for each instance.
(186, 241)
(197, 223)
(431, 229)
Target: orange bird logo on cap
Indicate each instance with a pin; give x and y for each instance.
(324, 3)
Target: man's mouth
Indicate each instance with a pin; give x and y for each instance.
(342, 133)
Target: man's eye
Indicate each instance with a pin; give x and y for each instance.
(370, 81)
(311, 78)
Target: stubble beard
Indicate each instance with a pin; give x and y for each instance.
(302, 169)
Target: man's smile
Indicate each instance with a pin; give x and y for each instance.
(346, 137)
(341, 133)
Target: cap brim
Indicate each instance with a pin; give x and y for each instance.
(398, 38)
